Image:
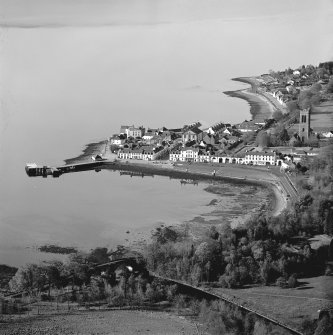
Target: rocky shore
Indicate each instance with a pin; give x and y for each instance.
(91, 149)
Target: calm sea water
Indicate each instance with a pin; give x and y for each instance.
(64, 87)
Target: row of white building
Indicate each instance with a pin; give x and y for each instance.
(199, 155)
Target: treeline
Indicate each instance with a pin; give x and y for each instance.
(76, 271)
(75, 282)
(316, 187)
(265, 250)
(56, 249)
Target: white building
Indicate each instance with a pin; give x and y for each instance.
(117, 140)
(328, 134)
(148, 154)
(185, 155)
(124, 154)
(189, 154)
(134, 132)
(137, 153)
(260, 158)
(204, 156)
(175, 155)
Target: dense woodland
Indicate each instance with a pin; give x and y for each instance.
(266, 250)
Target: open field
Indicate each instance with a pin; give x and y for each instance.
(101, 322)
(290, 306)
(322, 117)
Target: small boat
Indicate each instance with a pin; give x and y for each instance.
(98, 158)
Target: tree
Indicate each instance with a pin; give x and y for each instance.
(203, 252)
(280, 136)
(263, 139)
(329, 87)
(315, 88)
(77, 269)
(248, 137)
(165, 234)
(28, 278)
(53, 272)
(308, 98)
(292, 281)
(277, 115)
(213, 233)
(98, 255)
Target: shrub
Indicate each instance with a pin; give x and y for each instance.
(308, 326)
(292, 281)
(118, 300)
(281, 282)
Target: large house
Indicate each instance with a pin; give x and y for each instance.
(175, 155)
(260, 158)
(132, 131)
(194, 134)
(141, 153)
(185, 155)
(209, 139)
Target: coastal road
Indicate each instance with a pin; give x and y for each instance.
(287, 185)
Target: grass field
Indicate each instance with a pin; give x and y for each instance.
(290, 306)
(322, 117)
(101, 322)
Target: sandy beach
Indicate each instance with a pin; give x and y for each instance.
(261, 107)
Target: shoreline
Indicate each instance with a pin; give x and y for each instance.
(238, 174)
(204, 172)
(91, 149)
(261, 108)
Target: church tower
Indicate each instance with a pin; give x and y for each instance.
(304, 124)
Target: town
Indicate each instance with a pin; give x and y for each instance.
(299, 126)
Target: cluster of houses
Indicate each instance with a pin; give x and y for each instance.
(189, 144)
(288, 85)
